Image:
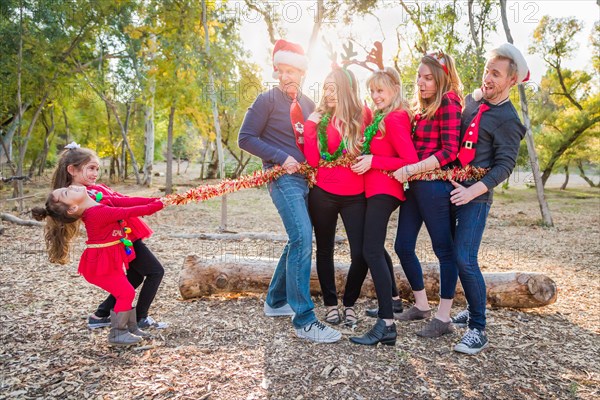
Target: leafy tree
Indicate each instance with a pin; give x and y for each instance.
(570, 106)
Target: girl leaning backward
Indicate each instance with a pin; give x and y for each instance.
(107, 252)
(80, 166)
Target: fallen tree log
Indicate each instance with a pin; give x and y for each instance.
(19, 221)
(228, 274)
(267, 236)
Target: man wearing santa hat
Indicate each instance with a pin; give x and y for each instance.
(491, 132)
(273, 130)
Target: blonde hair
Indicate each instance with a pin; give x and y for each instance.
(390, 79)
(444, 83)
(348, 113)
(60, 228)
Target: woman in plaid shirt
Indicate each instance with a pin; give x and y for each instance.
(436, 133)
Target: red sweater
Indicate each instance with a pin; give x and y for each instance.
(102, 226)
(139, 229)
(391, 152)
(337, 180)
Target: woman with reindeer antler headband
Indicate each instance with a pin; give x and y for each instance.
(386, 146)
(333, 133)
(436, 132)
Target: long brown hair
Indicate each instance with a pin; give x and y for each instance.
(77, 157)
(389, 78)
(60, 228)
(444, 82)
(348, 112)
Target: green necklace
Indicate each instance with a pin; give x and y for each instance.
(325, 155)
(370, 132)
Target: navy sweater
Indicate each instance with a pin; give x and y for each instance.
(500, 133)
(267, 130)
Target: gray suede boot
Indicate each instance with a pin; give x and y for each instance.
(133, 327)
(119, 335)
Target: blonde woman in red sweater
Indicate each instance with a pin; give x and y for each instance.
(333, 131)
(387, 146)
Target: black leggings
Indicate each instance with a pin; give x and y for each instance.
(379, 209)
(324, 208)
(144, 265)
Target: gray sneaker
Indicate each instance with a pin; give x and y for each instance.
(278, 312)
(319, 333)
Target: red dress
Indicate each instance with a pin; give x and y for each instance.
(139, 229)
(103, 227)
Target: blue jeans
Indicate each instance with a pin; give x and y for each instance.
(429, 202)
(291, 280)
(469, 224)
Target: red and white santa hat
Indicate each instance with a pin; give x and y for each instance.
(288, 53)
(507, 50)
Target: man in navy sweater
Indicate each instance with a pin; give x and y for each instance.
(491, 132)
(272, 130)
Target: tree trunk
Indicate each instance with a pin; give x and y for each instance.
(566, 182)
(584, 176)
(169, 177)
(149, 130)
(47, 139)
(215, 112)
(234, 274)
(67, 131)
(533, 158)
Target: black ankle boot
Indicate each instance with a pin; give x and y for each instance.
(396, 306)
(379, 333)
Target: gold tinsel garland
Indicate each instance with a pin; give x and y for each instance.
(259, 178)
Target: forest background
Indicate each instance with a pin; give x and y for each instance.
(147, 81)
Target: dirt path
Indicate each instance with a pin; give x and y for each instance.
(224, 348)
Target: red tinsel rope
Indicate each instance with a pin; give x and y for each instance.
(259, 178)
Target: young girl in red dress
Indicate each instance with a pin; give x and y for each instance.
(106, 257)
(80, 166)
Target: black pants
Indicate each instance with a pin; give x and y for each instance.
(379, 209)
(324, 208)
(144, 265)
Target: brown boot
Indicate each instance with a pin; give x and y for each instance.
(119, 334)
(133, 327)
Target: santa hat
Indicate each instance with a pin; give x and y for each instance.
(288, 53)
(507, 50)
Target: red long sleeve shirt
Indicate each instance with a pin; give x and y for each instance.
(102, 226)
(440, 136)
(391, 152)
(139, 229)
(337, 180)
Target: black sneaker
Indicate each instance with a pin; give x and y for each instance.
(472, 342)
(94, 323)
(461, 319)
(396, 307)
(149, 322)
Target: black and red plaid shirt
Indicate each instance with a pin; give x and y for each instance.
(440, 136)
